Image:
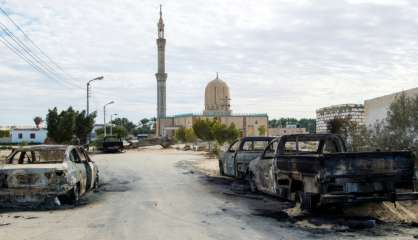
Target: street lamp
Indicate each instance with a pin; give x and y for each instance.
(88, 93)
(104, 115)
(115, 114)
(88, 98)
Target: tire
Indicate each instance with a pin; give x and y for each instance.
(74, 195)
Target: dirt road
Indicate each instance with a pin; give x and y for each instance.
(157, 194)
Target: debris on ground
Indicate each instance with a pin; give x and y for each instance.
(404, 212)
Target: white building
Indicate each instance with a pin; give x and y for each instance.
(354, 112)
(28, 135)
(376, 109)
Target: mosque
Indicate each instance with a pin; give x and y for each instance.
(217, 103)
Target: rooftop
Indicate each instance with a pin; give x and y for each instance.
(219, 115)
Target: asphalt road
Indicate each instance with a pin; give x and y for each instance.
(156, 194)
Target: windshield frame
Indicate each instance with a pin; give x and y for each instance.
(31, 153)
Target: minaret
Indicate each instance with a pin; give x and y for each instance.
(161, 75)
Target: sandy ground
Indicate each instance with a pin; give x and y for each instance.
(401, 212)
(153, 193)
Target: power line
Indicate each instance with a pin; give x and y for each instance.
(42, 64)
(34, 44)
(39, 64)
(35, 60)
(25, 58)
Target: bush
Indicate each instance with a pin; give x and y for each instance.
(180, 134)
(189, 135)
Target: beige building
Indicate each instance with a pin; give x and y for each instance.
(355, 112)
(217, 98)
(248, 125)
(217, 105)
(278, 132)
(376, 109)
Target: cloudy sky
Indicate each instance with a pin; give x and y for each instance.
(285, 58)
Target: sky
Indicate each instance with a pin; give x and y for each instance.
(285, 58)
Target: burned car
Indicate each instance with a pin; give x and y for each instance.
(34, 174)
(112, 144)
(234, 162)
(317, 170)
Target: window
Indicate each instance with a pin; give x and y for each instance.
(32, 136)
(270, 150)
(247, 146)
(112, 139)
(260, 145)
(234, 147)
(292, 147)
(254, 145)
(308, 146)
(20, 135)
(74, 156)
(37, 156)
(330, 147)
(82, 156)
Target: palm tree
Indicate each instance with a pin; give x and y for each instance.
(38, 121)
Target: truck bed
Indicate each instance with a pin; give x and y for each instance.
(398, 166)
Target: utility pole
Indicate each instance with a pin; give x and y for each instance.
(88, 93)
(115, 114)
(104, 115)
(88, 102)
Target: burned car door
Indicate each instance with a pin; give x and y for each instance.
(81, 174)
(95, 170)
(250, 149)
(266, 169)
(89, 168)
(229, 159)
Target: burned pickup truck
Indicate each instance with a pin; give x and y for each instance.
(317, 170)
(234, 162)
(35, 174)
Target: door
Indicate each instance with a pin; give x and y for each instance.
(266, 168)
(93, 167)
(229, 159)
(89, 171)
(81, 171)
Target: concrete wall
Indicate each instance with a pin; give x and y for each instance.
(163, 123)
(5, 140)
(376, 109)
(277, 132)
(355, 112)
(252, 123)
(186, 122)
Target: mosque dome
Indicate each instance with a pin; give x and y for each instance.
(217, 98)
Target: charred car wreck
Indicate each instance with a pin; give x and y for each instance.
(317, 170)
(37, 173)
(234, 162)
